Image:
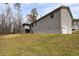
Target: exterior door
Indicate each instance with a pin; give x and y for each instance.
(64, 29)
(27, 30)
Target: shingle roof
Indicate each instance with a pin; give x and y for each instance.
(76, 19)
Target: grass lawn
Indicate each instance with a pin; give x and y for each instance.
(39, 45)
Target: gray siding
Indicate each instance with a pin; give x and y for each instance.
(48, 24)
(66, 20)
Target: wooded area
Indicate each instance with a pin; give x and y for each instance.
(11, 22)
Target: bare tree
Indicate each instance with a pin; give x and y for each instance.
(18, 26)
(11, 22)
(2, 24)
(8, 18)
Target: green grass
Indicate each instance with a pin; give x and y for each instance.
(39, 45)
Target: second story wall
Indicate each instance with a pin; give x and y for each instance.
(66, 21)
(49, 24)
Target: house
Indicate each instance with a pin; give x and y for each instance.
(58, 21)
(75, 24)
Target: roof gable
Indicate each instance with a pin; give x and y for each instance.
(53, 12)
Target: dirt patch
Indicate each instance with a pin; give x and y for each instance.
(9, 36)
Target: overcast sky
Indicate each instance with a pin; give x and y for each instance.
(44, 8)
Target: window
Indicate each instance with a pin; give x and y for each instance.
(51, 15)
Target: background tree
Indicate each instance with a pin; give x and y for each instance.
(5, 20)
(8, 18)
(33, 15)
(11, 22)
(18, 20)
(2, 23)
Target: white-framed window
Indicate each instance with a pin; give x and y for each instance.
(26, 27)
